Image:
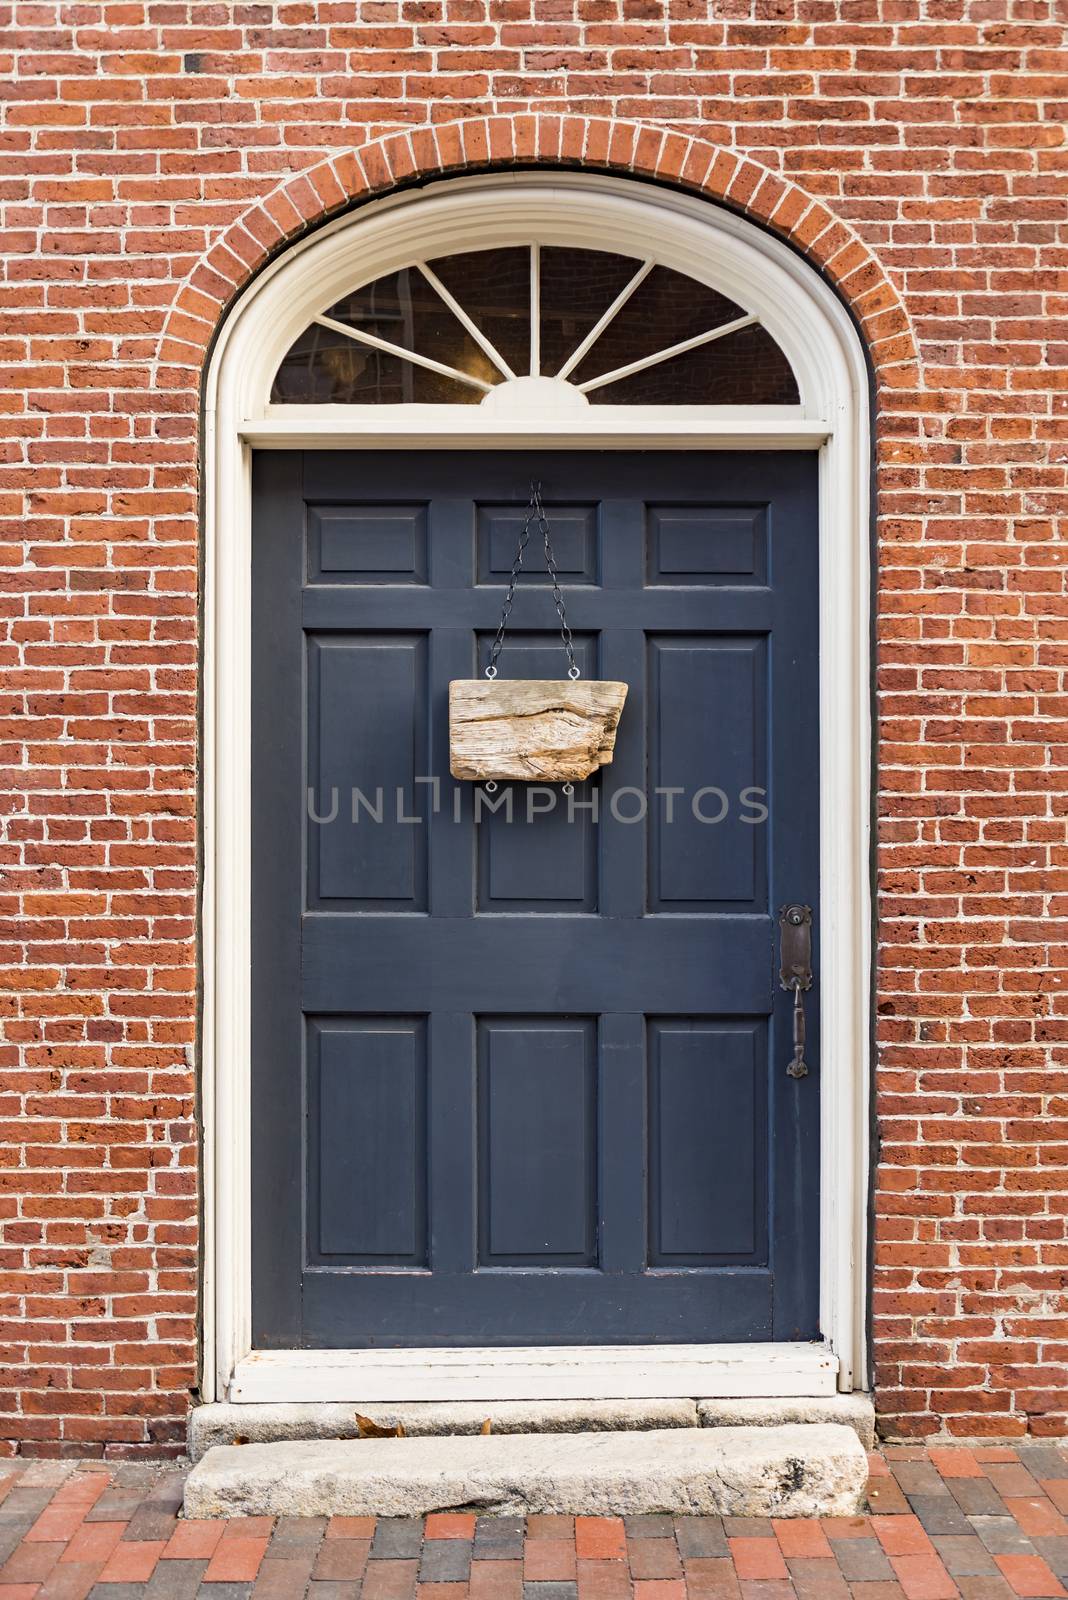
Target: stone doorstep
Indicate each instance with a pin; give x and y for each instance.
(856, 1411)
(221, 1423)
(813, 1469)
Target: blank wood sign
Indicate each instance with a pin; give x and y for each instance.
(529, 728)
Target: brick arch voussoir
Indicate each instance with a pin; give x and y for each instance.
(479, 144)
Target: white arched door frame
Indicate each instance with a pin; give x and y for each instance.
(762, 275)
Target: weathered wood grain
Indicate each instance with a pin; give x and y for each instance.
(532, 728)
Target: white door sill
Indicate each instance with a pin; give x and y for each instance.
(566, 1372)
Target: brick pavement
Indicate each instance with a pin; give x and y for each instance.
(986, 1523)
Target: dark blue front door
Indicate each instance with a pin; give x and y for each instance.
(523, 1080)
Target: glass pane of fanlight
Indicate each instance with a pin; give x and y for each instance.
(324, 367)
(745, 368)
(403, 309)
(666, 309)
(577, 288)
(493, 287)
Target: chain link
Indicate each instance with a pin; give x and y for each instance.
(535, 513)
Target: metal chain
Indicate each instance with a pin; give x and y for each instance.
(535, 512)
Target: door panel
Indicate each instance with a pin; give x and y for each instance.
(707, 1133)
(519, 1073)
(708, 694)
(702, 545)
(574, 541)
(367, 1081)
(367, 711)
(537, 1142)
(367, 544)
(528, 859)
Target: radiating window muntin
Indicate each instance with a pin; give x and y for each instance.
(621, 330)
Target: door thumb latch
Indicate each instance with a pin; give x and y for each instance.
(795, 973)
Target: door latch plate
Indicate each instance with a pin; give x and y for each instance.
(795, 974)
(795, 946)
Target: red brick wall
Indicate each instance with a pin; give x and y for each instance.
(920, 162)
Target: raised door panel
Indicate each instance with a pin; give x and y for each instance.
(537, 1181)
(537, 853)
(367, 544)
(573, 536)
(707, 1141)
(702, 544)
(708, 731)
(366, 1152)
(367, 744)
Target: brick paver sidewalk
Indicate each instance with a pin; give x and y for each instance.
(984, 1524)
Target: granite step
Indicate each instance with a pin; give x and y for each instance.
(266, 1423)
(794, 1470)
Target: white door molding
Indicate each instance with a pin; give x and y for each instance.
(569, 1372)
(765, 277)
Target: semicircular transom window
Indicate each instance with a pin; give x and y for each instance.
(612, 329)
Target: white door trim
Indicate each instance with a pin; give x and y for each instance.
(570, 1372)
(764, 276)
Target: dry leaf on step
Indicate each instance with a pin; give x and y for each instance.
(369, 1429)
(487, 1426)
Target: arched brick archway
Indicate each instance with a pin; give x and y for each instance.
(596, 143)
(304, 262)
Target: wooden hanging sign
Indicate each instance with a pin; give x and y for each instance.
(556, 730)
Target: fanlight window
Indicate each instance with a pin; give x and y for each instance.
(618, 330)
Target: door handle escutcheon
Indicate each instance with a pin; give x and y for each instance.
(795, 974)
